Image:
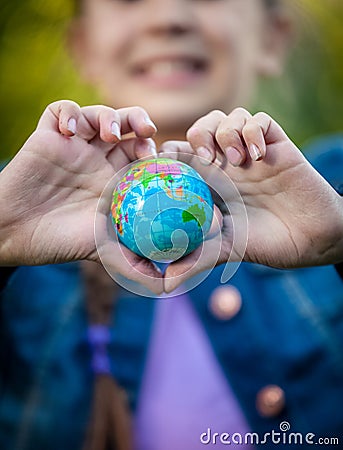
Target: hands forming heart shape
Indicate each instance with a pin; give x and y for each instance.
(51, 190)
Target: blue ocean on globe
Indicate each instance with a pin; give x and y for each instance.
(162, 209)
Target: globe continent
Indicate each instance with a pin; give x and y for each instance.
(162, 209)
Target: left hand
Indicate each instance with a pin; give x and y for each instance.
(50, 190)
(294, 217)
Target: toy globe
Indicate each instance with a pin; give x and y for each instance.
(162, 209)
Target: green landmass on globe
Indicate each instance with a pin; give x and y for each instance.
(162, 209)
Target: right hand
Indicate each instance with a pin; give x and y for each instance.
(50, 190)
(275, 209)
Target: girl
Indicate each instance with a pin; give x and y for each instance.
(242, 357)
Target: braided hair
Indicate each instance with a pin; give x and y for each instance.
(110, 425)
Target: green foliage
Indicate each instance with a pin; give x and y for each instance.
(36, 70)
(307, 100)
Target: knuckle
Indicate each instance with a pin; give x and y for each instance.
(251, 127)
(222, 135)
(55, 107)
(217, 112)
(107, 111)
(195, 133)
(226, 134)
(261, 115)
(63, 109)
(68, 104)
(138, 110)
(240, 110)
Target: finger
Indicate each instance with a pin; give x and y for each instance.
(180, 150)
(223, 247)
(105, 125)
(115, 257)
(201, 136)
(105, 121)
(216, 225)
(208, 256)
(214, 250)
(119, 260)
(112, 124)
(102, 123)
(136, 119)
(86, 122)
(254, 139)
(130, 150)
(262, 129)
(229, 136)
(64, 117)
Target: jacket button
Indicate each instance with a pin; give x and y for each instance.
(270, 401)
(225, 302)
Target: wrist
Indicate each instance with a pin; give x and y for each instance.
(339, 190)
(326, 242)
(6, 247)
(8, 241)
(335, 251)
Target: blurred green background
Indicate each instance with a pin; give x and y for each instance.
(36, 69)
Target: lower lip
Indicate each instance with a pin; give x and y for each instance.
(176, 80)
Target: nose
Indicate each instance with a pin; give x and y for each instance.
(170, 17)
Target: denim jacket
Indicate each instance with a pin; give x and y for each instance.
(287, 333)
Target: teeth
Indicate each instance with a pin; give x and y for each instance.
(167, 68)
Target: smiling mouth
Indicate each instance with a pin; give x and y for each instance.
(171, 72)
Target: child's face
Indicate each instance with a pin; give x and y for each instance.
(179, 59)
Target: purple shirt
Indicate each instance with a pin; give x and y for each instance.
(184, 391)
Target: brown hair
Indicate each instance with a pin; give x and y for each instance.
(109, 426)
(77, 5)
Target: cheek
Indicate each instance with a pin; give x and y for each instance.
(234, 75)
(236, 59)
(234, 31)
(108, 39)
(226, 57)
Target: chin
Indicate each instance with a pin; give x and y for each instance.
(178, 113)
(175, 120)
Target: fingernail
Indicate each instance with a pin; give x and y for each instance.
(234, 156)
(71, 125)
(149, 122)
(205, 155)
(255, 152)
(115, 130)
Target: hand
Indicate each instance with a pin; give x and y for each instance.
(50, 190)
(294, 217)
